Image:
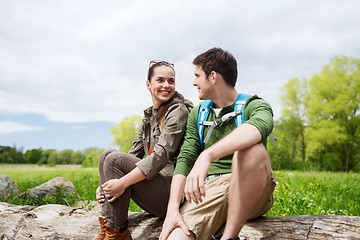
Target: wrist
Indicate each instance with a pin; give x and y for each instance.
(121, 182)
(208, 155)
(173, 207)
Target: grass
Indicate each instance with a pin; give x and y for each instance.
(316, 193)
(297, 193)
(85, 180)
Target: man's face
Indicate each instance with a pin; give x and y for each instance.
(203, 84)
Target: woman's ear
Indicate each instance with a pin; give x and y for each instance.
(148, 84)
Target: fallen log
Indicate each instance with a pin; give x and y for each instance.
(63, 222)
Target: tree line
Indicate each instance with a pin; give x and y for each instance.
(318, 128)
(87, 158)
(320, 122)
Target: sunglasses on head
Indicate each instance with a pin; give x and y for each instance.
(153, 62)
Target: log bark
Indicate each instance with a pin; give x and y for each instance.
(303, 227)
(63, 222)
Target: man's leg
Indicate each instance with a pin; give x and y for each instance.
(178, 234)
(250, 169)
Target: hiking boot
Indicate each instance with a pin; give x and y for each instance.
(101, 235)
(218, 237)
(115, 234)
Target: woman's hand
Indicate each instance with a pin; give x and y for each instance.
(100, 197)
(113, 189)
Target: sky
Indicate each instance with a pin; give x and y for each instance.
(69, 70)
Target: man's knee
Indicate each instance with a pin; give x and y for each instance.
(178, 234)
(253, 158)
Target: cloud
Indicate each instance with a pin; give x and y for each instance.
(11, 127)
(88, 62)
(78, 127)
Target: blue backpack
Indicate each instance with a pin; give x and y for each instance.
(237, 115)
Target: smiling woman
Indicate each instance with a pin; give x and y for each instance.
(125, 176)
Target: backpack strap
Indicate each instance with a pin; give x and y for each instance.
(239, 108)
(238, 115)
(203, 115)
(240, 103)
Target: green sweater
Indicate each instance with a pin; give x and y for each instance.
(257, 112)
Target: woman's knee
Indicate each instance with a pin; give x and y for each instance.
(119, 160)
(104, 154)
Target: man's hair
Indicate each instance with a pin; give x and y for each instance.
(220, 61)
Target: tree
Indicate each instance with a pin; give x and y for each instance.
(11, 155)
(45, 156)
(278, 151)
(125, 132)
(291, 126)
(91, 156)
(65, 156)
(33, 155)
(333, 104)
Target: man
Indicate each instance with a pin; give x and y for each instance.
(229, 178)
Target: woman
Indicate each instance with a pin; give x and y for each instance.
(145, 180)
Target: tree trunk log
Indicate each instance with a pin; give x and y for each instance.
(62, 222)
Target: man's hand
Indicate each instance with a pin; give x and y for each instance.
(194, 187)
(173, 220)
(113, 189)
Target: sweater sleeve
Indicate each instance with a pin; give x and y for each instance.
(259, 114)
(191, 147)
(168, 143)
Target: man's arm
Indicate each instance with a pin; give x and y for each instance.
(235, 141)
(173, 217)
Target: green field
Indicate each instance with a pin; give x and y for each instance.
(297, 193)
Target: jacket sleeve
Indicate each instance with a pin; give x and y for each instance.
(168, 143)
(259, 114)
(137, 147)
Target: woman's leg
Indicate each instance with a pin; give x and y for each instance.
(101, 164)
(116, 164)
(152, 195)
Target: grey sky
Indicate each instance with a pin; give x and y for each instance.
(81, 61)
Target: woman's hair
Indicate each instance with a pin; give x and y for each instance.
(165, 105)
(155, 64)
(220, 61)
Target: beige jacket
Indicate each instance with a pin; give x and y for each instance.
(165, 143)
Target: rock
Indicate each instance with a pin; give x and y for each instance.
(8, 187)
(63, 222)
(49, 188)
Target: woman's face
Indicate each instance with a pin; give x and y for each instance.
(162, 85)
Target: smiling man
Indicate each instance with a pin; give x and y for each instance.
(223, 167)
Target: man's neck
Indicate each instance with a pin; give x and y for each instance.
(225, 98)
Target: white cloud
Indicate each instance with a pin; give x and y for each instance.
(78, 127)
(11, 127)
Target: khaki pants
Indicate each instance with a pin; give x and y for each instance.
(205, 219)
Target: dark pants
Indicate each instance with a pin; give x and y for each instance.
(151, 195)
